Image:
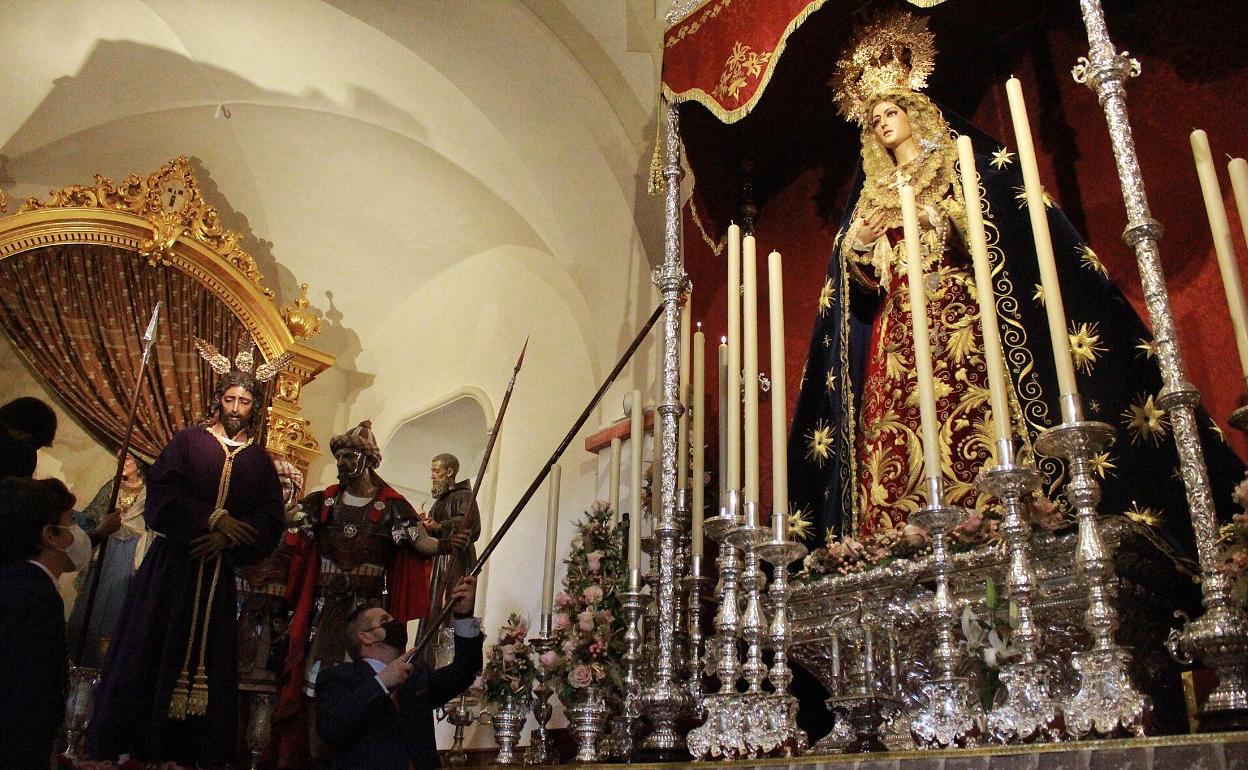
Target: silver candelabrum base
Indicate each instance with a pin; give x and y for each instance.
(1030, 711)
(1107, 702)
(862, 717)
(950, 713)
(747, 725)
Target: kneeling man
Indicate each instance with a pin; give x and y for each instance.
(377, 711)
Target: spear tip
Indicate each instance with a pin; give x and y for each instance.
(523, 350)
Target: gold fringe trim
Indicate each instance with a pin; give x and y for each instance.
(732, 116)
(716, 248)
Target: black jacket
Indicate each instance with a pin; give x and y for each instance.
(33, 666)
(364, 726)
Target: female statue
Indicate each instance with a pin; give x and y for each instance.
(855, 452)
(128, 538)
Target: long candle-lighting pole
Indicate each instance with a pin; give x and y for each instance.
(1220, 636)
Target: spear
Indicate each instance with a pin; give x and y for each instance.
(448, 559)
(498, 421)
(427, 637)
(149, 339)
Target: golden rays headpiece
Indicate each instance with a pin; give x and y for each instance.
(244, 361)
(895, 52)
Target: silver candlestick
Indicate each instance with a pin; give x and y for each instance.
(951, 713)
(1106, 702)
(1030, 709)
(780, 554)
(541, 751)
(1220, 637)
(633, 602)
(459, 714)
(727, 618)
(748, 537)
(695, 583)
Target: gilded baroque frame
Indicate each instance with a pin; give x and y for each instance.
(163, 217)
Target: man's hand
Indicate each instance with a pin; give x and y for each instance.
(464, 595)
(210, 544)
(395, 673)
(235, 530)
(454, 543)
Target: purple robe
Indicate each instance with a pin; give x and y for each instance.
(153, 630)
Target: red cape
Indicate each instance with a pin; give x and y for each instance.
(408, 581)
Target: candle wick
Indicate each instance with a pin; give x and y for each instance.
(1229, 156)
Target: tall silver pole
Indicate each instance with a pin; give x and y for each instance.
(665, 700)
(1220, 637)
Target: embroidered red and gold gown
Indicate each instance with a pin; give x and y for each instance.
(887, 446)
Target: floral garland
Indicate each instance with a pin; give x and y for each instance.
(847, 555)
(508, 672)
(1233, 538)
(588, 624)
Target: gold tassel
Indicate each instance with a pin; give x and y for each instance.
(198, 704)
(178, 701)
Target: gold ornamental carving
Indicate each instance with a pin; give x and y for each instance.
(163, 217)
(302, 320)
(170, 201)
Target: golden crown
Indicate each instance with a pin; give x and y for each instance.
(896, 51)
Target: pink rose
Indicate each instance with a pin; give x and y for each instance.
(509, 653)
(581, 676)
(561, 621)
(592, 594)
(595, 560)
(548, 659)
(585, 621)
(562, 600)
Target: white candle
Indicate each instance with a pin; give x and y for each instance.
(1053, 306)
(1238, 169)
(987, 299)
(552, 538)
(699, 445)
(922, 345)
(749, 323)
(636, 436)
(723, 418)
(682, 432)
(779, 407)
(734, 357)
(1222, 243)
(613, 479)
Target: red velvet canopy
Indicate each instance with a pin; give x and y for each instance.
(752, 77)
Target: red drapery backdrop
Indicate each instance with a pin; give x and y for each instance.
(803, 156)
(77, 314)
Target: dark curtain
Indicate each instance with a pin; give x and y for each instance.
(77, 314)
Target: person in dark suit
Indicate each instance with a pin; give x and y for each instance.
(40, 542)
(377, 711)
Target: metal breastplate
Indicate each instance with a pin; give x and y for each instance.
(350, 538)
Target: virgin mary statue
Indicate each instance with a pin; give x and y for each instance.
(856, 459)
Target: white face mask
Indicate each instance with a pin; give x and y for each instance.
(79, 551)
